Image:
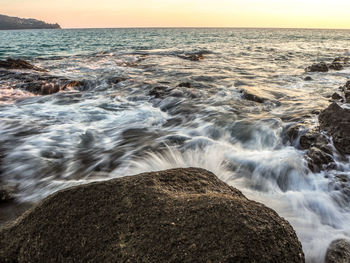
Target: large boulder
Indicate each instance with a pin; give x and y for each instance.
(179, 215)
(336, 121)
(338, 252)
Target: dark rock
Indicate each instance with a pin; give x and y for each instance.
(318, 159)
(18, 64)
(253, 97)
(341, 60)
(115, 80)
(179, 215)
(335, 66)
(42, 84)
(307, 78)
(336, 122)
(185, 85)
(347, 96)
(193, 56)
(319, 67)
(159, 92)
(338, 252)
(7, 193)
(336, 96)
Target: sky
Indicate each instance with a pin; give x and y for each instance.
(184, 13)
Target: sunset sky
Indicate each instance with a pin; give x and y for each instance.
(184, 13)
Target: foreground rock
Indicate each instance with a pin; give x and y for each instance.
(338, 252)
(179, 215)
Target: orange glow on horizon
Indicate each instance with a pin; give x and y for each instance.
(184, 13)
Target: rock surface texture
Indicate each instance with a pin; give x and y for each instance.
(338, 252)
(179, 215)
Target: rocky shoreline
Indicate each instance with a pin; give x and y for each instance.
(180, 195)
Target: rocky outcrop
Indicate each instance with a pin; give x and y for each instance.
(335, 120)
(18, 64)
(179, 215)
(337, 64)
(318, 67)
(319, 153)
(38, 84)
(338, 252)
(9, 22)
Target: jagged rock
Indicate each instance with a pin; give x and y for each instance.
(335, 120)
(319, 159)
(42, 84)
(338, 252)
(319, 67)
(179, 215)
(336, 96)
(18, 64)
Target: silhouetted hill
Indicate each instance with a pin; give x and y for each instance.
(8, 22)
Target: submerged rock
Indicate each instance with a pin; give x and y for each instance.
(249, 95)
(338, 252)
(185, 85)
(335, 120)
(18, 64)
(179, 215)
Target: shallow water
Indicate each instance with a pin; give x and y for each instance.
(109, 129)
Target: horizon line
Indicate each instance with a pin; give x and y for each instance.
(204, 27)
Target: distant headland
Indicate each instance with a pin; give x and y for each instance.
(9, 22)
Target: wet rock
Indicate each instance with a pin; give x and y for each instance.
(308, 78)
(344, 61)
(335, 66)
(7, 193)
(193, 56)
(183, 215)
(159, 92)
(253, 97)
(42, 84)
(338, 252)
(116, 80)
(318, 159)
(347, 96)
(335, 120)
(18, 64)
(318, 67)
(185, 85)
(336, 96)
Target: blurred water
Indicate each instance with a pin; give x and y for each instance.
(112, 129)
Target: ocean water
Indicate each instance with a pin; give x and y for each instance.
(109, 129)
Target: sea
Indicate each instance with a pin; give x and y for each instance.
(160, 98)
